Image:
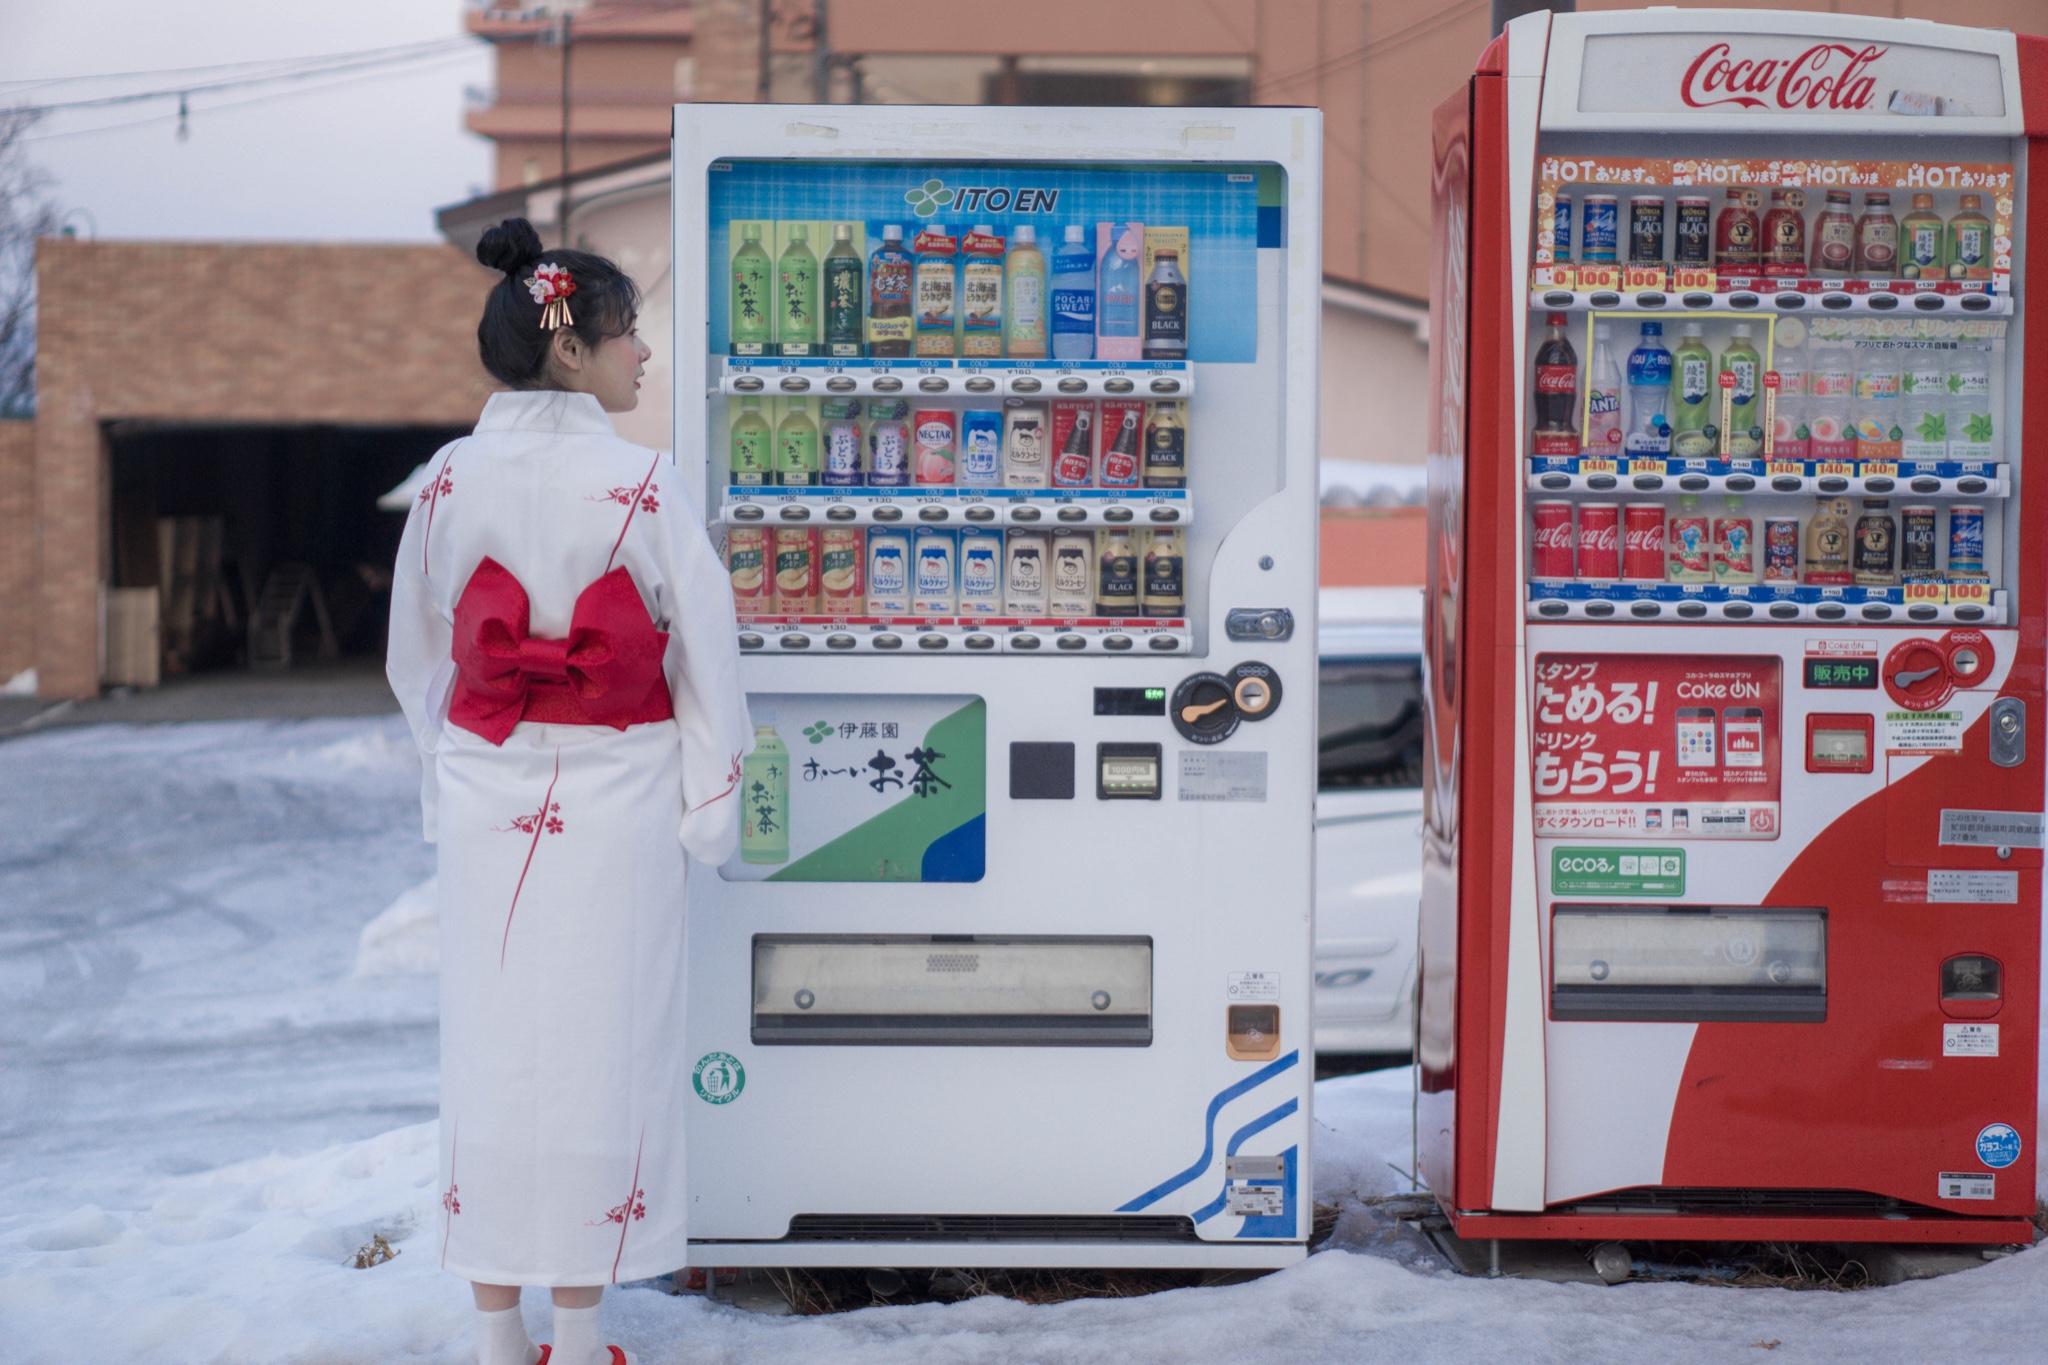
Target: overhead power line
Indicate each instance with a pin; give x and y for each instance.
(307, 70)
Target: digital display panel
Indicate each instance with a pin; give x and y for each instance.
(1130, 701)
(1830, 674)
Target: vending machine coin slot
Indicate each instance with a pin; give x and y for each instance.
(1252, 1032)
(1127, 772)
(2008, 732)
(1041, 771)
(1839, 743)
(1972, 986)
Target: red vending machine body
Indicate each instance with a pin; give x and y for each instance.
(1734, 795)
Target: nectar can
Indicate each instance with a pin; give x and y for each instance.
(932, 462)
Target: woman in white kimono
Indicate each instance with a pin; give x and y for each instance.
(562, 642)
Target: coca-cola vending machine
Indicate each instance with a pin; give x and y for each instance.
(1732, 891)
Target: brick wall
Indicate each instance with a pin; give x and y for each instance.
(18, 547)
(219, 333)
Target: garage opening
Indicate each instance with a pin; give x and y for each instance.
(252, 546)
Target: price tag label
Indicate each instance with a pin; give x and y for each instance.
(1936, 593)
(1874, 468)
(1594, 464)
(1636, 278)
(1792, 467)
(1591, 277)
(1693, 277)
(1556, 277)
(1978, 594)
(1842, 467)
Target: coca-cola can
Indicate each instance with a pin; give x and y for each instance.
(1600, 541)
(1642, 542)
(1554, 541)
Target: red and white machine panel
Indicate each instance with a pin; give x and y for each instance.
(1732, 891)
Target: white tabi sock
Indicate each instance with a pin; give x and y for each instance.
(579, 1337)
(501, 1338)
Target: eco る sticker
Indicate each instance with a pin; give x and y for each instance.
(719, 1079)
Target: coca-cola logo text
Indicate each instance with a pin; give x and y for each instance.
(1647, 537)
(1826, 76)
(1557, 537)
(1599, 536)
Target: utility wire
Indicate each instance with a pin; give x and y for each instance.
(423, 52)
(182, 113)
(317, 58)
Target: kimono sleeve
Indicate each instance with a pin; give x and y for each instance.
(417, 662)
(702, 665)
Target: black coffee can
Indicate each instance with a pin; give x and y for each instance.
(1646, 229)
(1693, 239)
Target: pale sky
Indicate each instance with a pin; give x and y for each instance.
(368, 158)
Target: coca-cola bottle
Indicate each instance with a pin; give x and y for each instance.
(1557, 392)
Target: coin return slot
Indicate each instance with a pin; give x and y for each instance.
(1251, 1033)
(924, 990)
(1747, 964)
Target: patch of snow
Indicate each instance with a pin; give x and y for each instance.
(405, 939)
(22, 684)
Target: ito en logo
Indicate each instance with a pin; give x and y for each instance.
(719, 1078)
(928, 198)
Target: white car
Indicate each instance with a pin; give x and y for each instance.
(1368, 818)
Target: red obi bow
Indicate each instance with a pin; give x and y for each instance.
(607, 672)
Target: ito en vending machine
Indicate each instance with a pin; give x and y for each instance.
(1732, 884)
(1007, 427)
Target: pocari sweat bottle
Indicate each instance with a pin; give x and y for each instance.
(1649, 394)
(1073, 297)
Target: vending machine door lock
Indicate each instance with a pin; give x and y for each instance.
(1259, 623)
(2008, 732)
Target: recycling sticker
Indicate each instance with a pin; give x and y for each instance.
(1611, 872)
(719, 1078)
(1998, 1146)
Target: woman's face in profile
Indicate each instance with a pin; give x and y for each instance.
(609, 372)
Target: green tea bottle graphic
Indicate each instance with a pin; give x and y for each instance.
(796, 314)
(753, 445)
(764, 782)
(752, 295)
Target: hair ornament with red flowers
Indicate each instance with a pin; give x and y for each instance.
(551, 287)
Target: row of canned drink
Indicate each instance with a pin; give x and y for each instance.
(1643, 542)
(929, 571)
(1117, 443)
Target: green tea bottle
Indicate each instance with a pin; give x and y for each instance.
(1920, 234)
(796, 447)
(764, 783)
(796, 284)
(1695, 398)
(753, 445)
(1745, 436)
(752, 321)
(843, 294)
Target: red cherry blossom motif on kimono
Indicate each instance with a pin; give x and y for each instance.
(632, 1211)
(546, 820)
(450, 1204)
(551, 287)
(624, 497)
(636, 500)
(732, 782)
(438, 487)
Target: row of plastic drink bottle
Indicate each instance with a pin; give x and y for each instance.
(1834, 403)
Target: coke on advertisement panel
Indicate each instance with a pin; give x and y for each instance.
(1555, 540)
(1599, 542)
(1642, 536)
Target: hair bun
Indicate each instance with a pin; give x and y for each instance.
(511, 246)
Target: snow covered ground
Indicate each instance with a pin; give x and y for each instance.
(205, 1109)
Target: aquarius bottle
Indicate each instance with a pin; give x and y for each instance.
(753, 292)
(764, 786)
(1649, 389)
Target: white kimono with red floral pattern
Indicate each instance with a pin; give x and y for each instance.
(562, 871)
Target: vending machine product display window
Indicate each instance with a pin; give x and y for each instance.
(1730, 455)
(1006, 431)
